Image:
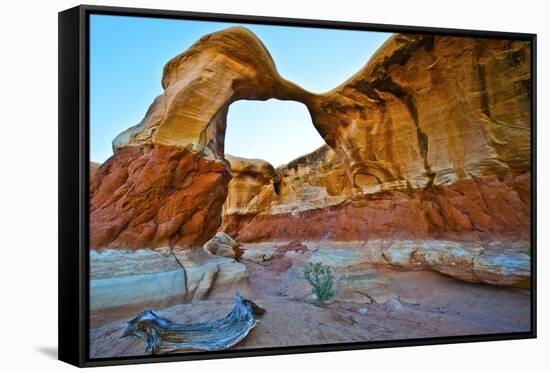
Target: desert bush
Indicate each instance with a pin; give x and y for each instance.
(321, 279)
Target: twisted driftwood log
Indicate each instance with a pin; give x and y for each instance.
(162, 335)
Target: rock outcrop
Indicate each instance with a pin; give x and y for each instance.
(156, 196)
(119, 278)
(253, 187)
(167, 180)
(123, 282)
(430, 140)
(497, 264)
(431, 110)
(489, 208)
(223, 245)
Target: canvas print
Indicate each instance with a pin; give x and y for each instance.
(264, 186)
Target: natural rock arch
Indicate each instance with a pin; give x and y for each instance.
(168, 175)
(425, 110)
(200, 84)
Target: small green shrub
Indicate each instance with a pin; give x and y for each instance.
(321, 279)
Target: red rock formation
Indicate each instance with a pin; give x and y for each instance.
(481, 209)
(429, 139)
(166, 183)
(154, 196)
(93, 170)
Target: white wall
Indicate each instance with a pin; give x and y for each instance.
(28, 183)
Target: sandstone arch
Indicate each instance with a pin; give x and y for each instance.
(200, 84)
(425, 112)
(167, 181)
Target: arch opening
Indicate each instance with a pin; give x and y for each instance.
(275, 131)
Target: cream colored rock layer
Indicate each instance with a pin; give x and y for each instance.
(424, 110)
(496, 264)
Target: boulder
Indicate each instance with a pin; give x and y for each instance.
(223, 245)
(211, 276)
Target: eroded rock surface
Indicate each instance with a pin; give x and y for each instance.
(431, 110)
(497, 264)
(430, 141)
(167, 180)
(480, 209)
(223, 245)
(124, 282)
(156, 196)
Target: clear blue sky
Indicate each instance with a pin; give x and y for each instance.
(127, 55)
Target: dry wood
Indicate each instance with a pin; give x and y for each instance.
(163, 336)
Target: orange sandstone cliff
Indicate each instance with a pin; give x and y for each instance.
(431, 139)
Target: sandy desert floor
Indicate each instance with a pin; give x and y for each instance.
(390, 305)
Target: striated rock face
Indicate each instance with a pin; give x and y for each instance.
(313, 181)
(123, 281)
(431, 110)
(430, 140)
(479, 209)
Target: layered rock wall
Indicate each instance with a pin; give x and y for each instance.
(430, 139)
(431, 110)
(480, 209)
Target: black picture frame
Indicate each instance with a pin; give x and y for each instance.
(74, 183)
